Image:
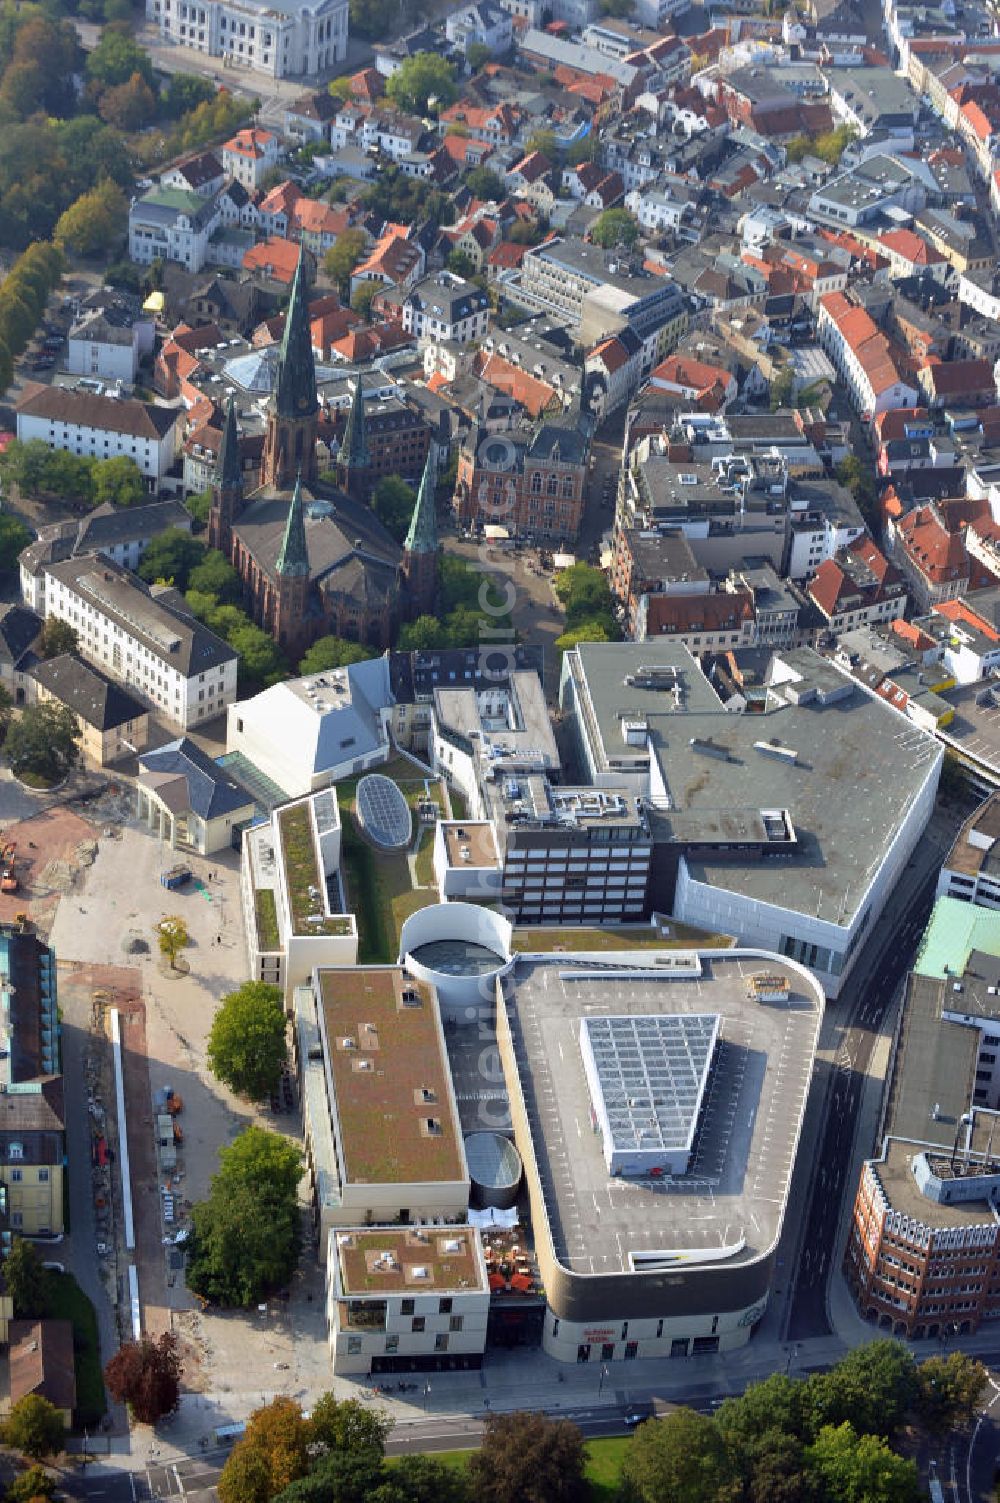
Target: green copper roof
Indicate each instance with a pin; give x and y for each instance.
(293, 555)
(228, 470)
(422, 535)
(295, 387)
(354, 448)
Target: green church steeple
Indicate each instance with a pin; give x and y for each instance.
(354, 454)
(422, 536)
(228, 469)
(295, 386)
(293, 555)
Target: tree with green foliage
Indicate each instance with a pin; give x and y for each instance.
(333, 652)
(14, 538)
(342, 257)
(116, 58)
(373, 18)
(260, 659)
(588, 631)
(485, 184)
(776, 1403)
(345, 1425)
(393, 502)
(171, 557)
(527, 1457)
(425, 634)
(402, 199)
(849, 1468)
(477, 55)
(171, 937)
(615, 227)
(340, 88)
(185, 92)
(874, 1388)
(461, 264)
(950, 1391)
(34, 1427)
(775, 1470)
(146, 1375)
(57, 637)
(681, 1456)
(33, 1482)
(118, 482)
(829, 146)
(216, 576)
(421, 79)
(545, 142)
(43, 745)
(94, 221)
(859, 479)
(781, 388)
(25, 1279)
(247, 1047)
(584, 592)
(245, 1235)
(342, 1477)
(363, 296)
(199, 504)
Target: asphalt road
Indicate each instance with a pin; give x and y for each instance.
(868, 995)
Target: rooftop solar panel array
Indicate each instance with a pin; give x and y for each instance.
(647, 1077)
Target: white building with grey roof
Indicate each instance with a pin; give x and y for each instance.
(143, 637)
(102, 427)
(785, 819)
(309, 732)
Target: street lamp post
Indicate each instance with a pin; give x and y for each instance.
(427, 1393)
(604, 1374)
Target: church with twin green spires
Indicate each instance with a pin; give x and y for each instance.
(313, 558)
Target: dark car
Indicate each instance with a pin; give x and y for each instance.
(635, 1419)
(41, 363)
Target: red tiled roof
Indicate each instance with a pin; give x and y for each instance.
(507, 254)
(276, 257)
(250, 142)
(958, 610)
(911, 247)
(535, 396)
(723, 610)
(958, 378)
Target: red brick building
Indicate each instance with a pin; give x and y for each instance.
(531, 485)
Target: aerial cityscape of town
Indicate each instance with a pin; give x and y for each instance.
(500, 751)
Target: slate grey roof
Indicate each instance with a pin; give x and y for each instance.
(211, 790)
(96, 699)
(349, 550)
(19, 627)
(105, 527)
(173, 636)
